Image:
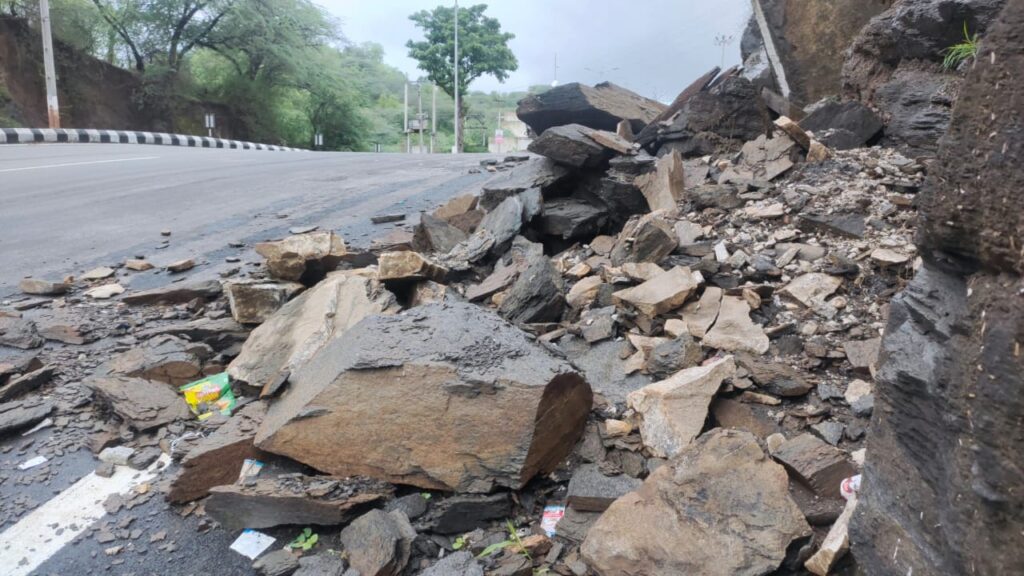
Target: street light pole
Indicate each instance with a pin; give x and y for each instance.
(456, 85)
(52, 105)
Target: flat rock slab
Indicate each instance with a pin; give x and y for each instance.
(812, 289)
(414, 399)
(464, 513)
(19, 333)
(534, 173)
(252, 302)
(142, 404)
(217, 459)
(734, 331)
(175, 294)
(819, 466)
(303, 326)
(15, 416)
(293, 499)
(570, 145)
(700, 316)
(673, 411)
(601, 107)
(721, 508)
(26, 383)
(164, 358)
(663, 293)
(591, 491)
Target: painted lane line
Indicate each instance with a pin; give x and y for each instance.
(77, 164)
(35, 539)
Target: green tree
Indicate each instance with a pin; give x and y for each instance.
(483, 49)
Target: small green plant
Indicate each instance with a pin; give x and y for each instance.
(305, 540)
(459, 543)
(425, 495)
(957, 54)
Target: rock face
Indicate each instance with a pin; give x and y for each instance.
(446, 373)
(945, 439)
(293, 335)
(894, 65)
(721, 508)
(601, 108)
(305, 258)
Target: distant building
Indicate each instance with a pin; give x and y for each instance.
(512, 135)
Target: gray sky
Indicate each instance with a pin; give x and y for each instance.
(653, 47)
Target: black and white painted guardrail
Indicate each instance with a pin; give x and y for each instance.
(32, 135)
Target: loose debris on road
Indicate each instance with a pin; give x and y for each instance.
(676, 350)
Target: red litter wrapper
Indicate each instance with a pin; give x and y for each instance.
(549, 520)
(850, 486)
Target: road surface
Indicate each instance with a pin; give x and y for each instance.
(66, 208)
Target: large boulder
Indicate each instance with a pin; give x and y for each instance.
(718, 119)
(601, 107)
(415, 399)
(722, 507)
(534, 173)
(571, 145)
(302, 327)
(305, 258)
(944, 459)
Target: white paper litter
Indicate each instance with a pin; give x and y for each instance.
(32, 463)
(251, 543)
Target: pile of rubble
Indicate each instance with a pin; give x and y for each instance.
(662, 329)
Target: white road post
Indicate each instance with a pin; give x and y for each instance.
(52, 105)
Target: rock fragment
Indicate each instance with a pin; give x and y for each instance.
(253, 302)
(720, 508)
(664, 187)
(379, 543)
(734, 331)
(142, 404)
(815, 463)
(175, 294)
(591, 491)
(673, 411)
(408, 266)
(536, 295)
(19, 333)
(570, 145)
(660, 294)
(601, 107)
(40, 287)
(304, 258)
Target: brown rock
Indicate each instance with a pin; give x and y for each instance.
(433, 382)
(672, 412)
(648, 238)
(137, 265)
(217, 459)
(40, 287)
(436, 235)
(302, 327)
(253, 302)
(19, 333)
(15, 416)
(583, 293)
(612, 141)
(66, 334)
(142, 404)
(97, 274)
(406, 266)
(105, 292)
(835, 544)
(794, 131)
(720, 508)
(456, 206)
(175, 294)
(812, 289)
(269, 502)
(26, 383)
(664, 187)
(379, 543)
(305, 258)
(818, 465)
(661, 294)
(181, 266)
(700, 316)
(863, 354)
(734, 331)
(165, 358)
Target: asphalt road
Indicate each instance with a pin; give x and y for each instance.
(65, 208)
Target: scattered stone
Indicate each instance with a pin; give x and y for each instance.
(819, 466)
(116, 455)
(842, 125)
(460, 563)
(105, 292)
(216, 459)
(324, 564)
(794, 131)
(15, 416)
(181, 266)
(305, 258)
(503, 223)
(536, 295)
(674, 355)
(26, 383)
(463, 513)
(40, 287)
(164, 358)
(835, 544)
(812, 289)
(649, 238)
(277, 563)
(889, 257)
(774, 378)
(253, 302)
(831, 432)
(379, 543)
(142, 404)
(104, 470)
(720, 508)
(100, 273)
(591, 491)
(19, 333)
(660, 294)
(672, 412)
(435, 235)
(408, 266)
(536, 173)
(302, 500)
(570, 145)
(387, 218)
(734, 331)
(700, 316)
(73, 335)
(572, 218)
(444, 361)
(663, 188)
(613, 142)
(175, 294)
(302, 327)
(455, 207)
(863, 354)
(848, 225)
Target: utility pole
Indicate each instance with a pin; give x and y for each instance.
(433, 121)
(456, 85)
(52, 105)
(419, 116)
(405, 122)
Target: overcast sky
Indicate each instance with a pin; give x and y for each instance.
(654, 47)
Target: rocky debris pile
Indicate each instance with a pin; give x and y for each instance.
(662, 329)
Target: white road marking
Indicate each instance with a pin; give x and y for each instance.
(34, 540)
(78, 164)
